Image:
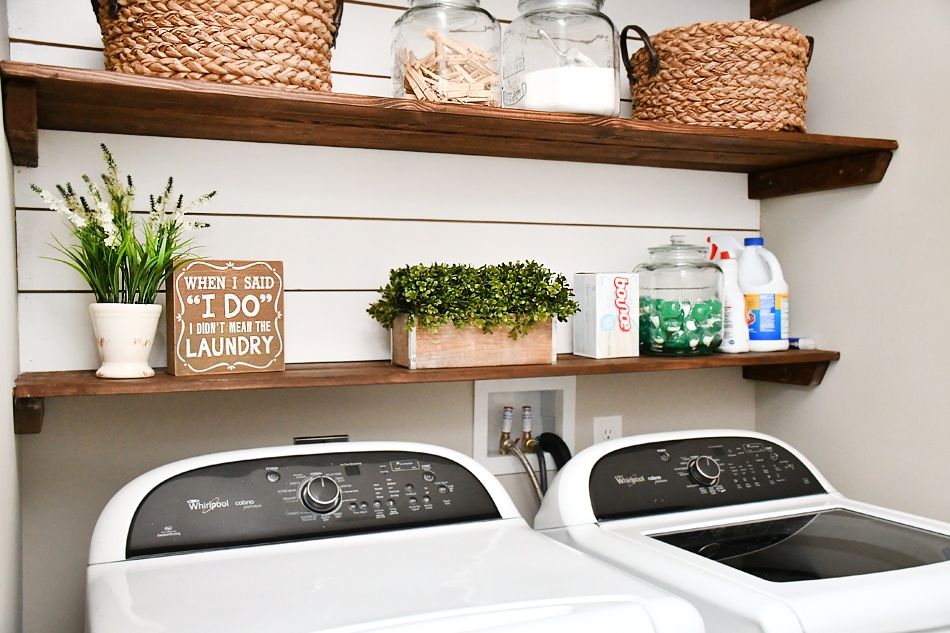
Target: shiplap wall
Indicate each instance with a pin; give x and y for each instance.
(340, 219)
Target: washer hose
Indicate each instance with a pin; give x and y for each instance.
(552, 443)
(542, 469)
(512, 445)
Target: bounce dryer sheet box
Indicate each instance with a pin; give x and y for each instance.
(607, 325)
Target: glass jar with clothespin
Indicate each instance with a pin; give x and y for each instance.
(561, 56)
(447, 51)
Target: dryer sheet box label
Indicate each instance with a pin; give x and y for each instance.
(608, 323)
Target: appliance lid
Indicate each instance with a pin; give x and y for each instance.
(446, 578)
(826, 544)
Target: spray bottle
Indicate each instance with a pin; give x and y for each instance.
(722, 242)
(735, 330)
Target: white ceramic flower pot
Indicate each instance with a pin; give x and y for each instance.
(124, 334)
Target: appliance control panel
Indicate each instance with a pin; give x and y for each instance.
(695, 473)
(304, 497)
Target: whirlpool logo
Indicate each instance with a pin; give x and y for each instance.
(207, 506)
(629, 480)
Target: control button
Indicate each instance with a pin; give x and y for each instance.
(443, 490)
(273, 477)
(773, 456)
(704, 470)
(354, 506)
(391, 502)
(410, 487)
(377, 504)
(426, 499)
(363, 505)
(664, 456)
(428, 475)
(321, 495)
(413, 501)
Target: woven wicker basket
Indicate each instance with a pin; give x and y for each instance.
(748, 75)
(284, 43)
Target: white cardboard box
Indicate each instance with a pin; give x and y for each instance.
(608, 323)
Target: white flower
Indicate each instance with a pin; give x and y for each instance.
(117, 274)
(59, 206)
(190, 207)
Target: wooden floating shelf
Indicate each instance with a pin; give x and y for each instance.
(777, 163)
(794, 367)
(771, 9)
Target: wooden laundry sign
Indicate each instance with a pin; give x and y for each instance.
(225, 317)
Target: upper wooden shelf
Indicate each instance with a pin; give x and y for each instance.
(778, 163)
(771, 9)
(794, 367)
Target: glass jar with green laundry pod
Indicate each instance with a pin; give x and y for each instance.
(680, 300)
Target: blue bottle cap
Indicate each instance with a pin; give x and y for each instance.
(754, 241)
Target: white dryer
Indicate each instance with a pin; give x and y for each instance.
(745, 528)
(347, 538)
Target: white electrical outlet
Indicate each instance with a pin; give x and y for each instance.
(607, 427)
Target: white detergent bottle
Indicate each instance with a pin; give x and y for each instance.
(735, 330)
(766, 297)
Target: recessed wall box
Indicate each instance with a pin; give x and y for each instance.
(552, 402)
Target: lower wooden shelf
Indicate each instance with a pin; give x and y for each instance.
(794, 367)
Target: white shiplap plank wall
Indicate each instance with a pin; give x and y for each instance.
(341, 218)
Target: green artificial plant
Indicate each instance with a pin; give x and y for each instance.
(122, 260)
(513, 295)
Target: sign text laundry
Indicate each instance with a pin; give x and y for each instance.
(226, 317)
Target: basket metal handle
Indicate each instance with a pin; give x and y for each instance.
(113, 8)
(337, 21)
(654, 59)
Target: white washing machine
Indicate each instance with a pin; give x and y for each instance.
(745, 528)
(350, 538)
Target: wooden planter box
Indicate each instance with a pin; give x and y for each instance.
(470, 347)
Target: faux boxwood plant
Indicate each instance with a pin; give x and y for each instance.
(514, 295)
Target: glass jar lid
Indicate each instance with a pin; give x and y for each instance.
(678, 250)
(539, 5)
(452, 3)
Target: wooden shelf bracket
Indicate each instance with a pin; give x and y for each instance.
(28, 415)
(21, 121)
(837, 173)
(801, 374)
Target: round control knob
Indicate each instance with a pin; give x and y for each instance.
(704, 470)
(321, 495)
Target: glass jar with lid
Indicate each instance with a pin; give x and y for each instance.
(561, 56)
(447, 51)
(680, 300)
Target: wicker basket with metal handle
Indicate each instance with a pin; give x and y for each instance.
(269, 43)
(748, 74)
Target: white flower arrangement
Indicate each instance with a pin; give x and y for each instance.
(121, 261)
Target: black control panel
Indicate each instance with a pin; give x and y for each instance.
(695, 473)
(303, 497)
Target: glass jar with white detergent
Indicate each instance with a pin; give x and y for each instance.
(561, 56)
